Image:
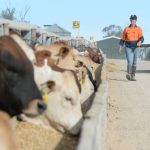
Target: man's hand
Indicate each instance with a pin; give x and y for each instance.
(139, 43)
(120, 48)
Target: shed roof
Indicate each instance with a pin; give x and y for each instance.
(55, 28)
(110, 37)
(18, 24)
(43, 31)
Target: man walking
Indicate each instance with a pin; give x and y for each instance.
(132, 37)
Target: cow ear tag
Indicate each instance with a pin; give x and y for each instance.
(45, 95)
(81, 81)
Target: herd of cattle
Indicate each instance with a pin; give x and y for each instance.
(45, 86)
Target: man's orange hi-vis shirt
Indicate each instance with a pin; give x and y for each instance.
(131, 35)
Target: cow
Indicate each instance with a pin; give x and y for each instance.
(18, 90)
(88, 84)
(7, 141)
(89, 78)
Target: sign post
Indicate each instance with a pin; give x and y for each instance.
(92, 43)
(91, 38)
(76, 25)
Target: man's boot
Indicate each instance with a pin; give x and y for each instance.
(129, 72)
(133, 73)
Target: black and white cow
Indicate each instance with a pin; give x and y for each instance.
(18, 90)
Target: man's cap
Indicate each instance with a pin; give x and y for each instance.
(133, 17)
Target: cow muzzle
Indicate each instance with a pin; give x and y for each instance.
(35, 108)
(41, 107)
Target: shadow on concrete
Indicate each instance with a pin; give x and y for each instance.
(68, 142)
(124, 80)
(86, 105)
(142, 71)
(123, 70)
(138, 71)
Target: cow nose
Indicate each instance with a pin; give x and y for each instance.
(41, 107)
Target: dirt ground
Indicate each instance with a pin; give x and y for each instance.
(128, 123)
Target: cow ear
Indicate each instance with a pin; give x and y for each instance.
(41, 55)
(51, 85)
(63, 52)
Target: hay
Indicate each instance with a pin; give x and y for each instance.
(33, 137)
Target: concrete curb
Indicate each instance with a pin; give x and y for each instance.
(94, 126)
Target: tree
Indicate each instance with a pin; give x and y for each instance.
(112, 30)
(23, 13)
(8, 13)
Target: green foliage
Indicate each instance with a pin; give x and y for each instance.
(8, 13)
(112, 30)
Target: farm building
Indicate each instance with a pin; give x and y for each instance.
(57, 30)
(110, 46)
(31, 33)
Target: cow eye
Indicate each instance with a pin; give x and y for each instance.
(68, 99)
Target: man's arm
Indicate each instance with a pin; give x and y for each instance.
(141, 38)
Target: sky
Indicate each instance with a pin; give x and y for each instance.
(93, 15)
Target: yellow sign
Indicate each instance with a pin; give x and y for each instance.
(76, 24)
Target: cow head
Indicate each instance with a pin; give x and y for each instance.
(61, 54)
(64, 107)
(18, 90)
